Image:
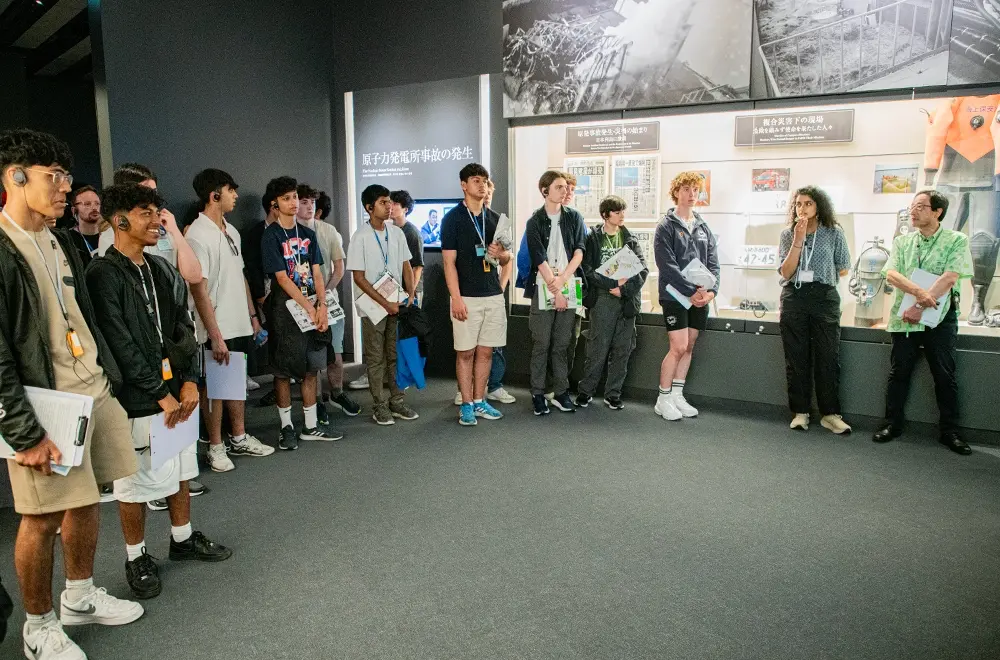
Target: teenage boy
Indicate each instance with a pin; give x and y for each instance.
(472, 263)
(680, 238)
(331, 248)
(556, 237)
(142, 308)
(227, 319)
(292, 260)
(402, 206)
(613, 304)
(945, 254)
(49, 339)
(379, 248)
(171, 246)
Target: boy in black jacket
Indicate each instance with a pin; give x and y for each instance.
(613, 306)
(141, 304)
(553, 263)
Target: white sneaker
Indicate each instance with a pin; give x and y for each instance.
(217, 458)
(550, 396)
(359, 384)
(250, 446)
(98, 607)
(49, 642)
(687, 410)
(666, 408)
(801, 421)
(836, 424)
(501, 395)
(458, 399)
(252, 385)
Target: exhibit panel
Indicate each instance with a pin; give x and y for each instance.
(869, 157)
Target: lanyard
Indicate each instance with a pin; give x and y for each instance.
(298, 242)
(920, 241)
(805, 257)
(475, 223)
(58, 278)
(615, 243)
(158, 320)
(385, 252)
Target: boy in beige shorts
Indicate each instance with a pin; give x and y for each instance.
(48, 339)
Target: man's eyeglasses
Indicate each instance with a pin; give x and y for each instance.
(58, 177)
(232, 244)
(919, 207)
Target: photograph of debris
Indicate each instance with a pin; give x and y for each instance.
(975, 42)
(806, 47)
(566, 56)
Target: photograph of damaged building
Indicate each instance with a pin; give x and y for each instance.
(563, 56)
(804, 47)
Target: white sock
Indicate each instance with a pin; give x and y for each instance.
(182, 533)
(77, 589)
(310, 412)
(664, 392)
(476, 401)
(36, 621)
(135, 551)
(239, 438)
(678, 387)
(286, 416)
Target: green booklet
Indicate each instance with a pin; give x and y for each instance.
(573, 290)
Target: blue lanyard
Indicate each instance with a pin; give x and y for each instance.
(475, 223)
(385, 252)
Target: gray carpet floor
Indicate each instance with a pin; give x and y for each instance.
(594, 535)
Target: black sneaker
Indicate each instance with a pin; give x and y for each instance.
(347, 404)
(614, 402)
(196, 488)
(198, 548)
(322, 415)
(583, 400)
(268, 400)
(540, 405)
(323, 435)
(107, 493)
(143, 577)
(289, 439)
(157, 505)
(564, 403)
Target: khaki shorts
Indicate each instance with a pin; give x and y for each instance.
(148, 484)
(485, 326)
(107, 455)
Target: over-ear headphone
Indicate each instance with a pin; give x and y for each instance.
(20, 178)
(123, 223)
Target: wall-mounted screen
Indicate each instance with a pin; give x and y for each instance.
(427, 215)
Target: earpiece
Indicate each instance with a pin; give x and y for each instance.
(123, 223)
(20, 178)
(216, 197)
(274, 205)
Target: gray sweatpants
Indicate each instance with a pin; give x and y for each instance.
(550, 335)
(611, 340)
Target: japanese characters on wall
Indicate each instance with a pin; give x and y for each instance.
(635, 179)
(591, 184)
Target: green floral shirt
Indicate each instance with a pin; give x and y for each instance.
(944, 251)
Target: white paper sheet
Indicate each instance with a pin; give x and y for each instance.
(166, 443)
(679, 297)
(226, 382)
(624, 264)
(65, 418)
(925, 280)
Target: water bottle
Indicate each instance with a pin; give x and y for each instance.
(261, 338)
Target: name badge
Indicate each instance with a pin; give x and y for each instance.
(168, 373)
(480, 251)
(805, 276)
(163, 244)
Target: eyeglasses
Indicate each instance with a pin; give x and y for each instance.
(919, 207)
(232, 244)
(58, 177)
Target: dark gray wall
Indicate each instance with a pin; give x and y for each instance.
(242, 86)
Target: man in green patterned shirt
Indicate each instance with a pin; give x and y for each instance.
(945, 254)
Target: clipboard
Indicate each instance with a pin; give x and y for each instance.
(65, 418)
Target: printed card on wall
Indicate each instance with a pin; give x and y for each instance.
(591, 184)
(636, 180)
(895, 179)
(771, 179)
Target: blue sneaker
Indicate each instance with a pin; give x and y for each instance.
(467, 415)
(486, 411)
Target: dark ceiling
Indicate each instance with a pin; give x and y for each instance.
(53, 36)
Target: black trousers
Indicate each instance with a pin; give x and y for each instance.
(939, 346)
(810, 333)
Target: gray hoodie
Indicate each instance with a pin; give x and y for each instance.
(674, 247)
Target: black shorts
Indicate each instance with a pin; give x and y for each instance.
(677, 318)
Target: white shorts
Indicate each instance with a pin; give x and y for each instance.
(149, 484)
(485, 326)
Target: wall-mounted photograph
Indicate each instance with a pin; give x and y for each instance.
(771, 179)
(891, 179)
(567, 56)
(806, 47)
(975, 42)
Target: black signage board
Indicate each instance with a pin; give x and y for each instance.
(617, 138)
(795, 128)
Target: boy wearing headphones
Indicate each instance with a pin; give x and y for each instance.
(227, 318)
(141, 304)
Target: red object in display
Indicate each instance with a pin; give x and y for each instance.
(967, 124)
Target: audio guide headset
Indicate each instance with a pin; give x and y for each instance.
(20, 178)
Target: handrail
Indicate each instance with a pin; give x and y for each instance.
(855, 17)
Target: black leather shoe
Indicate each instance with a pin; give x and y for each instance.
(198, 548)
(955, 443)
(886, 433)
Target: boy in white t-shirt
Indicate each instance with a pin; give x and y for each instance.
(379, 248)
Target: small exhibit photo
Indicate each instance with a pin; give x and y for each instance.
(565, 56)
(895, 179)
(705, 196)
(771, 179)
(833, 46)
